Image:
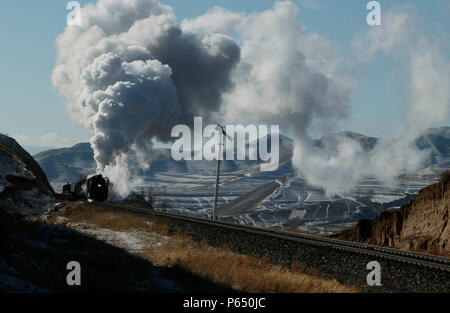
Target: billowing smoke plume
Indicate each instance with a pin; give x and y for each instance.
(130, 72)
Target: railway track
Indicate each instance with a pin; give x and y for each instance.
(402, 256)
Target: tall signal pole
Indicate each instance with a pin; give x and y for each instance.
(216, 193)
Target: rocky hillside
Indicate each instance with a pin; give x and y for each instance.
(15, 161)
(21, 177)
(420, 225)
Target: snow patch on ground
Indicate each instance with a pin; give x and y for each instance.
(385, 198)
(61, 220)
(297, 214)
(133, 240)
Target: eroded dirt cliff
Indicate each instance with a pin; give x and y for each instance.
(420, 225)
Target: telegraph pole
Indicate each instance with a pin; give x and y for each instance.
(217, 180)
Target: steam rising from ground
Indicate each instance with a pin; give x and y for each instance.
(131, 72)
(428, 99)
(427, 105)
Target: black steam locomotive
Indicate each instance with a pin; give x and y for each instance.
(94, 187)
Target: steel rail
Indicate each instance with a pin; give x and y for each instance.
(409, 257)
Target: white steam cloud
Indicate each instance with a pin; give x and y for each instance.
(131, 72)
(428, 99)
(427, 105)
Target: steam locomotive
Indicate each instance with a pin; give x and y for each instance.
(94, 187)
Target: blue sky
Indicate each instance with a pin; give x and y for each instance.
(32, 110)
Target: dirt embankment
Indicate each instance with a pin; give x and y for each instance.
(420, 225)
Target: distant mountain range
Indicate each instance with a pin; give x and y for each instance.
(437, 140)
(331, 141)
(36, 149)
(69, 164)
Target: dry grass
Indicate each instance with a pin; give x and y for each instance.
(219, 265)
(107, 219)
(241, 272)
